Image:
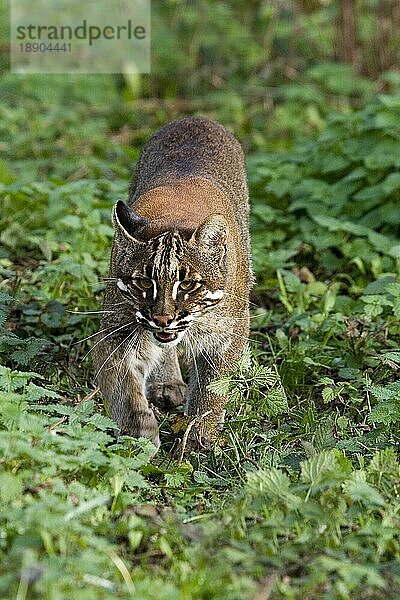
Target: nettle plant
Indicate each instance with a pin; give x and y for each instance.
(326, 225)
(333, 201)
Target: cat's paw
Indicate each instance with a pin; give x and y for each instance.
(166, 395)
(143, 424)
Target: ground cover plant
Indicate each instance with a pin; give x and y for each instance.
(300, 497)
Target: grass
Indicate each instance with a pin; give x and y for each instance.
(301, 496)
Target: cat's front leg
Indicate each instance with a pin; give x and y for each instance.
(219, 343)
(122, 382)
(205, 408)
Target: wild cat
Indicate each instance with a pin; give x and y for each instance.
(180, 273)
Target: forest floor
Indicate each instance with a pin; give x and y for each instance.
(300, 496)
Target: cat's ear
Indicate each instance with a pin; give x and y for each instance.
(211, 235)
(126, 221)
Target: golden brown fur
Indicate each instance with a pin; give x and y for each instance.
(185, 204)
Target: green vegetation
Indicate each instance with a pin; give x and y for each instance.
(300, 497)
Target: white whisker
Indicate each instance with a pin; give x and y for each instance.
(208, 360)
(129, 347)
(137, 340)
(90, 312)
(107, 336)
(91, 336)
(112, 353)
(116, 304)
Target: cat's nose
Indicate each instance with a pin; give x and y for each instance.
(163, 320)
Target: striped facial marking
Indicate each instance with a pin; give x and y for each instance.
(168, 285)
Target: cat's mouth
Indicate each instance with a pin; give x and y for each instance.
(165, 336)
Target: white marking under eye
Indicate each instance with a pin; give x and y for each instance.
(217, 295)
(175, 290)
(122, 286)
(154, 289)
(188, 318)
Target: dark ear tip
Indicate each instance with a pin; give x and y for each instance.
(121, 209)
(126, 219)
(118, 208)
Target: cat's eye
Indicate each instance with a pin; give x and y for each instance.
(189, 285)
(144, 283)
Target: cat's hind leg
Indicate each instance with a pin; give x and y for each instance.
(165, 387)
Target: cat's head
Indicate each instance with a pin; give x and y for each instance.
(172, 279)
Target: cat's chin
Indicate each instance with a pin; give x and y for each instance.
(163, 339)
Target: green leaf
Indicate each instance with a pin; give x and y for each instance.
(174, 479)
(14, 380)
(10, 487)
(33, 393)
(391, 183)
(329, 394)
(273, 482)
(135, 480)
(379, 286)
(387, 412)
(359, 490)
(321, 470)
